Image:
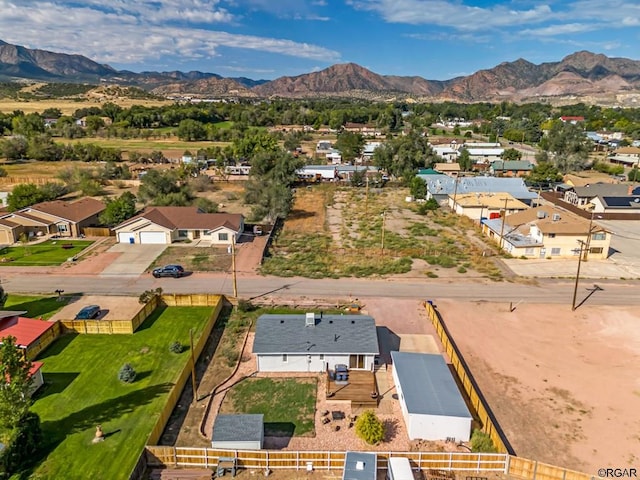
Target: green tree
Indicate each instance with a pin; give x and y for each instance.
(206, 205)
(350, 145)
(24, 195)
(161, 187)
(14, 148)
(634, 175)
(481, 442)
(418, 188)
(14, 392)
(511, 154)
(191, 130)
(544, 172)
(567, 146)
(464, 160)
(27, 125)
(370, 428)
(24, 441)
(118, 210)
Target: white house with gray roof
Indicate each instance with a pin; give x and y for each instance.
(314, 342)
(432, 406)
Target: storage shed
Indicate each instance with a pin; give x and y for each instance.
(238, 432)
(360, 466)
(432, 406)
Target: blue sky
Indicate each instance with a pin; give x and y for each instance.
(434, 39)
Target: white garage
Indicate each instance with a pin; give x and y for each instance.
(432, 406)
(126, 237)
(153, 238)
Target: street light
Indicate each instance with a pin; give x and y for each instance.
(382, 235)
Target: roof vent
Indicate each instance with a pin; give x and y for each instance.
(281, 321)
(310, 319)
(330, 321)
(353, 322)
(556, 217)
(359, 465)
(541, 214)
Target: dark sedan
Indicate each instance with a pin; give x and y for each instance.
(88, 312)
(174, 271)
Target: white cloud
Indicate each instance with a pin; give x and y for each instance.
(136, 31)
(562, 29)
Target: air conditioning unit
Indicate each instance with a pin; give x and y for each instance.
(556, 217)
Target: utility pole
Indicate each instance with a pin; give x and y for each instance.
(575, 288)
(588, 244)
(455, 191)
(382, 236)
(366, 196)
(506, 199)
(233, 265)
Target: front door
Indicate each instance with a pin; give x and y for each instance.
(356, 361)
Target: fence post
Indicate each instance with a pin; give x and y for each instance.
(535, 470)
(507, 464)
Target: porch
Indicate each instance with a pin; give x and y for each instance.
(357, 389)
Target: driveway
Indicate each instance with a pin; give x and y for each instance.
(132, 259)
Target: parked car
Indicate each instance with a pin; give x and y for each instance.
(174, 271)
(88, 312)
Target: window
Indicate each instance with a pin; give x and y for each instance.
(183, 233)
(322, 356)
(529, 251)
(284, 358)
(599, 236)
(595, 250)
(552, 235)
(555, 251)
(223, 237)
(62, 228)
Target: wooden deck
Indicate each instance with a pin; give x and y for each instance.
(358, 389)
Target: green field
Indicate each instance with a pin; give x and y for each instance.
(49, 253)
(142, 144)
(82, 390)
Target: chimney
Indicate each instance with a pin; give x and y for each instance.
(310, 319)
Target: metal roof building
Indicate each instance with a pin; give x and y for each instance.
(238, 432)
(441, 187)
(432, 406)
(360, 466)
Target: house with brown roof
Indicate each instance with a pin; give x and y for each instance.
(66, 219)
(485, 205)
(165, 225)
(548, 232)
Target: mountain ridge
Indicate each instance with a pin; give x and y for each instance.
(581, 73)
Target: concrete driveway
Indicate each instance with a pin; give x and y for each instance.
(132, 259)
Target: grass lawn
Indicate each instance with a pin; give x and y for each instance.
(195, 259)
(288, 404)
(82, 390)
(49, 253)
(35, 307)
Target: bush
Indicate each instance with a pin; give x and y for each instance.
(24, 442)
(370, 428)
(176, 347)
(147, 295)
(481, 442)
(245, 306)
(127, 374)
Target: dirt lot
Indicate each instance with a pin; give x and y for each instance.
(112, 307)
(563, 385)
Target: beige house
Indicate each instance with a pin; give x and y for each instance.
(451, 169)
(478, 206)
(165, 225)
(629, 156)
(66, 219)
(548, 232)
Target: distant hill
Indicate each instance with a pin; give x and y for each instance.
(589, 77)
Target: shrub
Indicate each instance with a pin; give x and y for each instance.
(23, 443)
(481, 442)
(176, 347)
(245, 306)
(147, 295)
(370, 428)
(462, 270)
(127, 374)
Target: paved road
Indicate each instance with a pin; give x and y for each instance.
(543, 291)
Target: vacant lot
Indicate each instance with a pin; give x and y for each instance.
(49, 253)
(342, 231)
(563, 385)
(68, 107)
(111, 307)
(82, 390)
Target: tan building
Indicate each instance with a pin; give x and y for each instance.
(548, 232)
(66, 219)
(165, 225)
(485, 205)
(451, 169)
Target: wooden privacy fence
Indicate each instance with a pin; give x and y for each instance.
(487, 419)
(98, 232)
(158, 456)
(46, 339)
(176, 390)
(532, 470)
(192, 300)
(111, 327)
(34, 180)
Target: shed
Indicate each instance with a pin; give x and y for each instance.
(360, 466)
(432, 406)
(238, 432)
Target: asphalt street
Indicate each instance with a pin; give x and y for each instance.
(558, 291)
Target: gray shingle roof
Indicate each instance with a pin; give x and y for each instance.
(330, 334)
(428, 386)
(369, 462)
(238, 427)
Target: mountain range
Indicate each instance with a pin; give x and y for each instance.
(582, 76)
